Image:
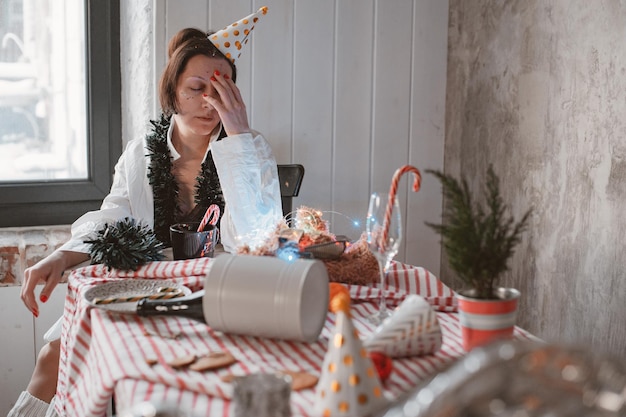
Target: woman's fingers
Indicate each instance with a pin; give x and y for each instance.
(225, 91)
(27, 293)
(229, 105)
(48, 271)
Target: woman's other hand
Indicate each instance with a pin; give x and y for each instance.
(49, 271)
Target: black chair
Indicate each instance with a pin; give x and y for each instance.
(290, 177)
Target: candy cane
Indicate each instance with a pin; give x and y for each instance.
(392, 196)
(211, 216)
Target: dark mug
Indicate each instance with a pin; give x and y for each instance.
(188, 243)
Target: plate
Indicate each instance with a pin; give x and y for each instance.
(129, 288)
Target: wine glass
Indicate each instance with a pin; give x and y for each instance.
(384, 233)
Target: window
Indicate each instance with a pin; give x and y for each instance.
(60, 118)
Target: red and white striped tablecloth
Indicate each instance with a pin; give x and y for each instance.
(105, 353)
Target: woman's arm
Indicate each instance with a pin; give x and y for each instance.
(116, 205)
(249, 179)
(49, 271)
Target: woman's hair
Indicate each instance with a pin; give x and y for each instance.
(186, 44)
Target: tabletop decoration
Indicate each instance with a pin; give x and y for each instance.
(349, 384)
(211, 216)
(262, 395)
(522, 378)
(393, 190)
(335, 288)
(411, 330)
(479, 235)
(348, 262)
(300, 380)
(384, 229)
(125, 245)
(382, 363)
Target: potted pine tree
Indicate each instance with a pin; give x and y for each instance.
(479, 239)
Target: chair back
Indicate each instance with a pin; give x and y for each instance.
(290, 177)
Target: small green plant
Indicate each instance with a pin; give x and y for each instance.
(479, 241)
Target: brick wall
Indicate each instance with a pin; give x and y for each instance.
(21, 248)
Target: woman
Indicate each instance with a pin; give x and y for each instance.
(201, 152)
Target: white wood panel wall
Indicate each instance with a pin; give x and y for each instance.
(22, 338)
(351, 89)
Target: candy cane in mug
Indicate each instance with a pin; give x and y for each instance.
(211, 216)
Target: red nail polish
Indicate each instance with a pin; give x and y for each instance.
(36, 313)
(205, 95)
(226, 77)
(213, 79)
(43, 298)
(217, 72)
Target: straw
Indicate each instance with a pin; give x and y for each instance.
(211, 216)
(392, 196)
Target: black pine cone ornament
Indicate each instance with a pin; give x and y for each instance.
(125, 245)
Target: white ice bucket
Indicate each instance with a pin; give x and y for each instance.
(267, 297)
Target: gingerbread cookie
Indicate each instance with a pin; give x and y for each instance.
(182, 361)
(152, 361)
(299, 379)
(213, 360)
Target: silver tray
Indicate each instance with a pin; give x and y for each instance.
(128, 288)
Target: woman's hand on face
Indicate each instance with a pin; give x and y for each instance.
(229, 105)
(49, 271)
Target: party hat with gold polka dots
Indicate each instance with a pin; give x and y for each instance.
(231, 40)
(349, 384)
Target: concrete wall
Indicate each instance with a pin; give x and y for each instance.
(538, 88)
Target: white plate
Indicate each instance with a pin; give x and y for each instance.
(128, 288)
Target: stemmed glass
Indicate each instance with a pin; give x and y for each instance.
(384, 242)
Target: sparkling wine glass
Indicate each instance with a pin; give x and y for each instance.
(384, 233)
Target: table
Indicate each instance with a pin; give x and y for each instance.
(104, 354)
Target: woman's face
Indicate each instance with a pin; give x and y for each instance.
(194, 85)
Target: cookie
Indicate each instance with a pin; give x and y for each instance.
(182, 361)
(301, 380)
(228, 378)
(213, 360)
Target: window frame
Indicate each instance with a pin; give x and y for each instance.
(54, 202)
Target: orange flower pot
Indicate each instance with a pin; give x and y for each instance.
(485, 320)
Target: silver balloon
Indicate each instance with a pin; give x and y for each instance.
(521, 379)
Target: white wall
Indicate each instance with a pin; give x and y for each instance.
(22, 337)
(351, 89)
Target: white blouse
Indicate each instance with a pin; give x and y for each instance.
(248, 176)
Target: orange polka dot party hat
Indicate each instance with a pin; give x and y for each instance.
(349, 384)
(231, 40)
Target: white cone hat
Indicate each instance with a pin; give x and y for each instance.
(231, 40)
(412, 330)
(349, 384)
